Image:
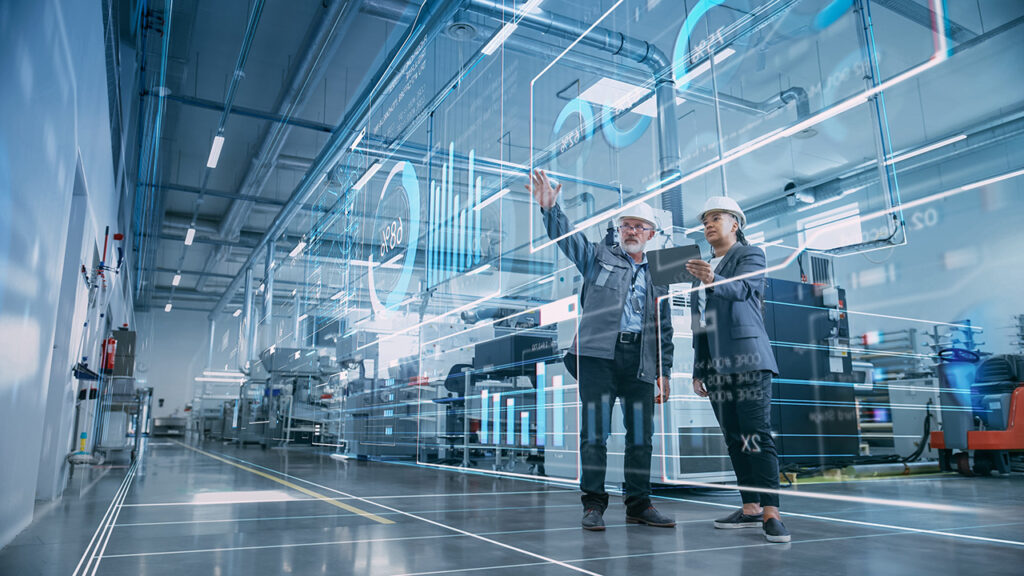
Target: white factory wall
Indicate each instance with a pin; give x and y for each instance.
(174, 348)
(172, 351)
(54, 121)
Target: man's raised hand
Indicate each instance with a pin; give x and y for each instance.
(540, 187)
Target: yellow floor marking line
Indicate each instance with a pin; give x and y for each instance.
(305, 491)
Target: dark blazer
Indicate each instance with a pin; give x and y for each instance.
(736, 340)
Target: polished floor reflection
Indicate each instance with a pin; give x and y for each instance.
(219, 509)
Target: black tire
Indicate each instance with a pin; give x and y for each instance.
(962, 461)
(983, 464)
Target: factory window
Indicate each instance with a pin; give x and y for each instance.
(831, 229)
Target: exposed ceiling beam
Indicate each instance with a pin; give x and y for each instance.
(215, 193)
(232, 196)
(243, 111)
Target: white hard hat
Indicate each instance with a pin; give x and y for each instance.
(723, 204)
(640, 211)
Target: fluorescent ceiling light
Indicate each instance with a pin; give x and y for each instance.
(223, 374)
(176, 280)
(237, 313)
(491, 198)
(530, 6)
(705, 66)
(218, 143)
(812, 121)
(190, 236)
(622, 95)
(367, 175)
(219, 379)
(499, 38)
(359, 139)
(546, 280)
(303, 317)
(298, 249)
(167, 308)
(366, 263)
(478, 270)
(925, 149)
(338, 295)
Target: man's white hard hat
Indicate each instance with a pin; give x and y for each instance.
(640, 211)
(723, 204)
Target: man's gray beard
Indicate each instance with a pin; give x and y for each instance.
(633, 247)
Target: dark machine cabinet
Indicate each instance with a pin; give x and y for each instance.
(813, 412)
(514, 354)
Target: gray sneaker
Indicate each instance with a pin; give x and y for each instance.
(593, 520)
(739, 520)
(775, 531)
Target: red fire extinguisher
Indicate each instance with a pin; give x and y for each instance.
(109, 352)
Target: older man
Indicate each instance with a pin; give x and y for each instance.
(618, 350)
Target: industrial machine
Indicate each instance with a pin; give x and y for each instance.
(380, 418)
(982, 411)
(814, 413)
(513, 407)
(291, 372)
(491, 411)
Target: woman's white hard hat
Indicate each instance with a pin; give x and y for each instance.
(723, 204)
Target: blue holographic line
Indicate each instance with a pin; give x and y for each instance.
(541, 405)
(510, 421)
(556, 405)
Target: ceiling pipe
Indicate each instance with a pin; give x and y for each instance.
(236, 77)
(243, 57)
(425, 27)
(987, 133)
(617, 44)
(922, 16)
(391, 11)
(659, 65)
(866, 174)
(308, 72)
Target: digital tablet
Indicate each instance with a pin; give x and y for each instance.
(668, 265)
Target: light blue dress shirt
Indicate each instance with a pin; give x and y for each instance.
(633, 321)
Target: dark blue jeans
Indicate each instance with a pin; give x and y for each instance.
(742, 404)
(601, 382)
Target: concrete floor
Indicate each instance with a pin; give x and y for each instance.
(227, 510)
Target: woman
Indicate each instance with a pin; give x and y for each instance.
(733, 363)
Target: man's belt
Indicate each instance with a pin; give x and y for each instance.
(628, 337)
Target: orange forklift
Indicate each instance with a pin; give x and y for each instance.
(982, 411)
